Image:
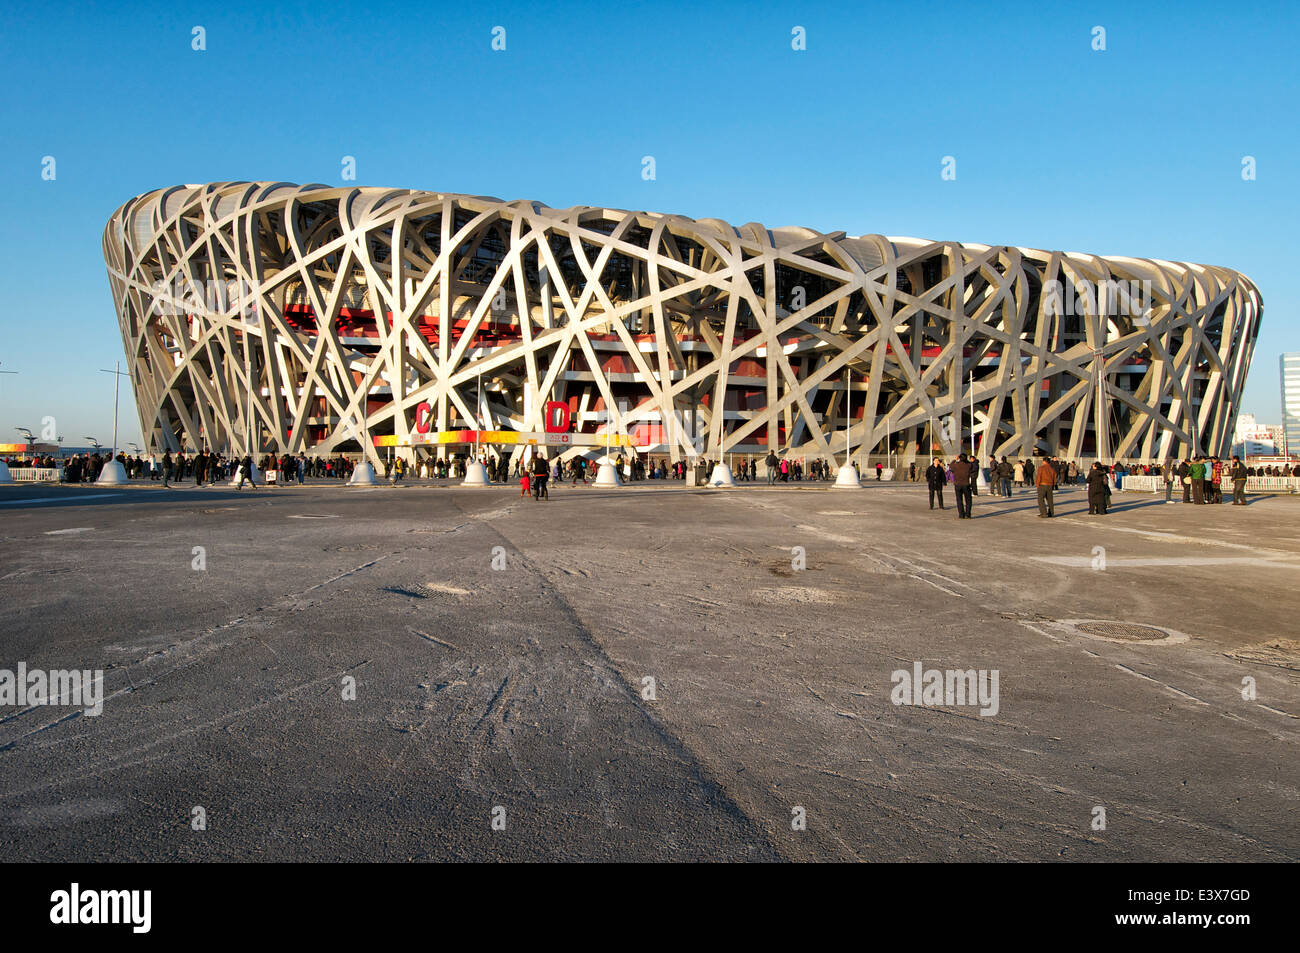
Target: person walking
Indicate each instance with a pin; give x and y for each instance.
(935, 478)
(540, 473)
(167, 467)
(245, 473)
(1238, 474)
(1045, 480)
(1098, 489)
(1185, 478)
(963, 476)
(771, 461)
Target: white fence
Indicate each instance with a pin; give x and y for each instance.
(1140, 483)
(36, 474)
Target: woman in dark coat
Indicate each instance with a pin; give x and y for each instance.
(1098, 490)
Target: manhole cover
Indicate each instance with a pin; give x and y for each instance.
(1123, 631)
(1106, 630)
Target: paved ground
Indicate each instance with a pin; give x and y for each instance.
(522, 689)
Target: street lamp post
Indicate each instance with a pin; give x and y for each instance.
(972, 415)
(848, 413)
(118, 374)
(113, 471)
(847, 477)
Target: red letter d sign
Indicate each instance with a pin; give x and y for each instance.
(557, 416)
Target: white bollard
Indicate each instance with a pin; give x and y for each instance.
(475, 475)
(113, 473)
(607, 475)
(363, 474)
(848, 478)
(721, 476)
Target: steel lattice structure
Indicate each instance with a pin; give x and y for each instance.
(361, 305)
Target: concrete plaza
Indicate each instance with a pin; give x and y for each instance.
(647, 673)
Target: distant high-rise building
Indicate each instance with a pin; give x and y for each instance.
(1277, 435)
(1290, 368)
(1253, 439)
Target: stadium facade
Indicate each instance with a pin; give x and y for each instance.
(278, 317)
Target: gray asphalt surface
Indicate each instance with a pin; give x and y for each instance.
(522, 689)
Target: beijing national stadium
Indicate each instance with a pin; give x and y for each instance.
(271, 317)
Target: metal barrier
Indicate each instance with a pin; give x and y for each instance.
(36, 474)
(1145, 483)
(1268, 484)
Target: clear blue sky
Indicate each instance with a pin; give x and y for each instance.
(1136, 150)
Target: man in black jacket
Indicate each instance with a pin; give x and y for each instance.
(963, 477)
(935, 478)
(541, 473)
(1005, 471)
(1098, 490)
(245, 473)
(1238, 474)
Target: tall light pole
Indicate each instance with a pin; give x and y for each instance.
(118, 374)
(1102, 420)
(972, 415)
(848, 413)
(847, 477)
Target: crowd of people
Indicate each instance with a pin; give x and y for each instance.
(201, 467)
(1201, 478)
